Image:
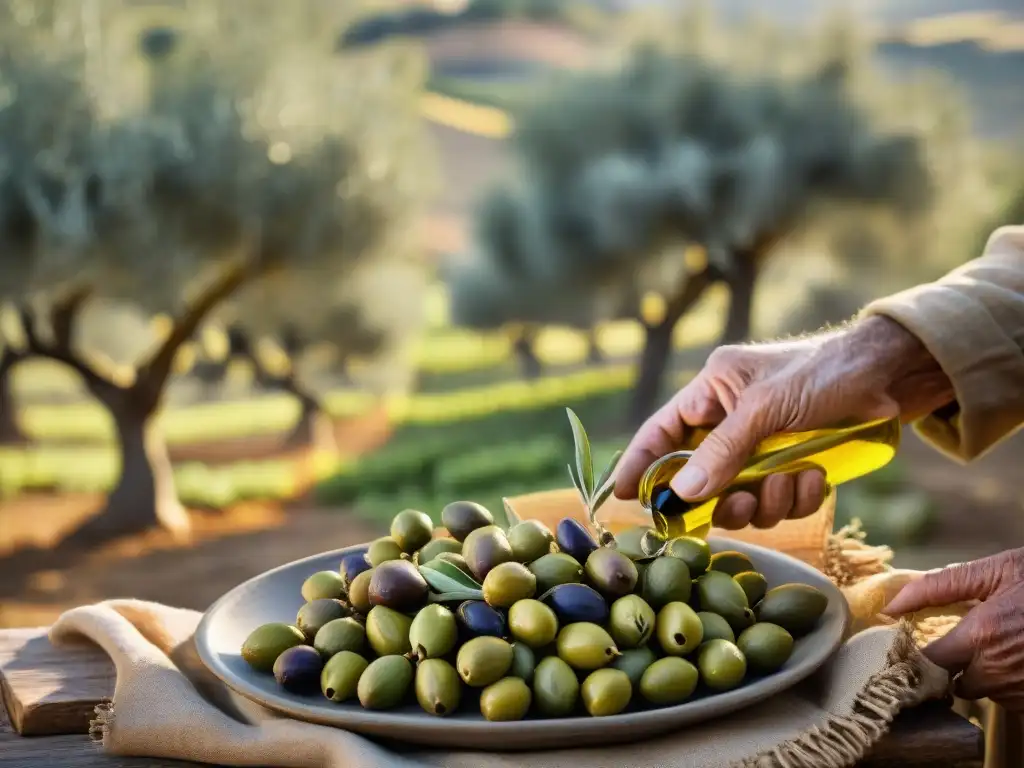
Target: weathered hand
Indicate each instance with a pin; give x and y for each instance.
(873, 369)
(987, 645)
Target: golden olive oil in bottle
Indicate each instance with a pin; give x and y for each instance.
(842, 453)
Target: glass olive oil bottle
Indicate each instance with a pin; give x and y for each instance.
(842, 453)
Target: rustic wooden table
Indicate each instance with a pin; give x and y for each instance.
(49, 695)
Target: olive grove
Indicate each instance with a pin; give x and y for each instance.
(622, 169)
(247, 172)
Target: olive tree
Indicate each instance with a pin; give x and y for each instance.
(622, 169)
(11, 432)
(263, 176)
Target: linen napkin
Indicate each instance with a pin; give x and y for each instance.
(167, 705)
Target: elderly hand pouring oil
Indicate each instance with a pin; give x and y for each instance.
(947, 356)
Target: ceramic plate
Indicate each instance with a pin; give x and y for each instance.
(274, 596)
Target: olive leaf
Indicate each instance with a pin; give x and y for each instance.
(447, 577)
(576, 484)
(607, 474)
(511, 518)
(455, 597)
(584, 459)
(602, 496)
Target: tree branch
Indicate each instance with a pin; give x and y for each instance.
(687, 295)
(153, 374)
(64, 315)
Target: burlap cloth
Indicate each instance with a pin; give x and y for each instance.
(166, 705)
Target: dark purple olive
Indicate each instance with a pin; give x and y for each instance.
(574, 539)
(351, 566)
(298, 669)
(398, 584)
(478, 618)
(576, 602)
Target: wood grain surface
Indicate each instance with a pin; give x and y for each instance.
(50, 691)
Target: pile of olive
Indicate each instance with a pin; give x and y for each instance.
(532, 622)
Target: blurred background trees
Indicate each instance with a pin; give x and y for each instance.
(224, 186)
(672, 173)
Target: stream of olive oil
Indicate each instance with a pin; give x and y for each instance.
(842, 453)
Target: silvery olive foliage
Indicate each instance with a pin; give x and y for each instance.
(621, 167)
(251, 146)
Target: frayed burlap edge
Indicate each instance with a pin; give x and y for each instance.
(843, 740)
(99, 728)
(848, 558)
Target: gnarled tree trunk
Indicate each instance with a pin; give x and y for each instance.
(11, 432)
(742, 279)
(144, 496)
(315, 427)
(654, 358)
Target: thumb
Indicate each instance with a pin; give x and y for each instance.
(955, 650)
(976, 580)
(722, 454)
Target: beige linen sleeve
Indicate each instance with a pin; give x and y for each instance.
(972, 323)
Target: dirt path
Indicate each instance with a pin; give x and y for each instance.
(226, 549)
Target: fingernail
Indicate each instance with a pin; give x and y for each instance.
(689, 481)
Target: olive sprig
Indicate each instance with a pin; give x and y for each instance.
(593, 493)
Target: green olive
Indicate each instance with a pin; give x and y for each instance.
(794, 607)
(693, 551)
(719, 593)
(669, 681)
(323, 585)
(530, 540)
(533, 623)
(628, 542)
(634, 663)
(340, 676)
(679, 629)
(437, 547)
(715, 627)
(316, 613)
(438, 688)
(382, 550)
(507, 583)
(359, 592)
(666, 580)
(506, 699)
(586, 646)
(385, 682)
(753, 584)
(606, 692)
(631, 622)
(340, 635)
(555, 687)
(766, 646)
(265, 643)
(554, 569)
(730, 562)
(483, 660)
(387, 630)
(722, 665)
(411, 529)
(433, 632)
(524, 662)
